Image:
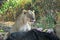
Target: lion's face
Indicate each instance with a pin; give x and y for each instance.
(30, 15)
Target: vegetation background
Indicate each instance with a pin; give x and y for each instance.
(47, 11)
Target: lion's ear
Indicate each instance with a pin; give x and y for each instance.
(24, 11)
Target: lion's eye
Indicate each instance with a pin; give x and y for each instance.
(24, 12)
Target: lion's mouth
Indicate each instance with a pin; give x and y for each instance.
(32, 20)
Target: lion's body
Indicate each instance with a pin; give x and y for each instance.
(23, 21)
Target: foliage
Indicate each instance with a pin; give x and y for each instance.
(12, 4)
(45, 10)
(1, 30)
(46, 15)
(11, 7)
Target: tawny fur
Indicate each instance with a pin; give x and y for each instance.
(23, 21)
